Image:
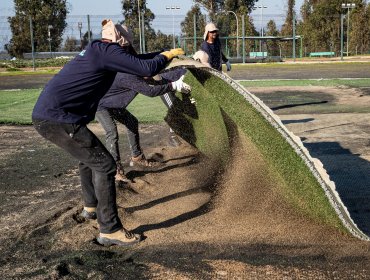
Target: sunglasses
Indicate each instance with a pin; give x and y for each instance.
(214, 31)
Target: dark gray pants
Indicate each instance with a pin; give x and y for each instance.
(97, 168)
(107, 119)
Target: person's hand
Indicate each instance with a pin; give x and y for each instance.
(181, 86)
(173, 53)
(228, 65)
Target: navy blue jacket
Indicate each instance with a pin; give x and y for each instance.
(215, 55)
(126, 86)
(72, 96)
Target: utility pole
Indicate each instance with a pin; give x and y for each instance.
(261, 34)
(32, 44)
(348, 6)
(80, 29)
(139, 16)
(173, 22)
(237, 32)
(49, 39)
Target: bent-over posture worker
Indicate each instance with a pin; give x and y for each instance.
(112, 107)
(69, 102)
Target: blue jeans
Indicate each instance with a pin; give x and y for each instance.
(97, 168)
(107, 118)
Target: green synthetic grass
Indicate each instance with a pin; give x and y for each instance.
(321, 82)
(21, 72)
(147, 109)
(16, 107)
(299, 186)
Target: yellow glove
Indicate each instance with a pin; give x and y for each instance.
(173, 53)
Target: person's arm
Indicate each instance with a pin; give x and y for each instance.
(139, 84)
(224, 58)
(117, 60)
(148, 55)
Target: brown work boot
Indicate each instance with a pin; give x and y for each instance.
(120, 238)
(141, 161)
(120, 175)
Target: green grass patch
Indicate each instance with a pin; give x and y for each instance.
(300, 83)
(20, 72)
(148, 109)
(16, 107)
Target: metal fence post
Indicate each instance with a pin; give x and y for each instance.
(341, 35)
(143, 31)
(195, 34)
(88, 28)
(243, 38)
(294, 54)
(32, 44)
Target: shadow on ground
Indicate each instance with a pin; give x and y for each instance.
(350, 173)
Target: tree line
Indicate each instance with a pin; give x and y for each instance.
(319, 25)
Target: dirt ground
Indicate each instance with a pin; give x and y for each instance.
(199, 222)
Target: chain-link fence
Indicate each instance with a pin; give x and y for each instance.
(239, 47)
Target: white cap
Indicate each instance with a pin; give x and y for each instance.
(109, 31)
(202, 57)
(209, 27)
(126, 37)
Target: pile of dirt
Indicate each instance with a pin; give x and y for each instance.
(199, 222)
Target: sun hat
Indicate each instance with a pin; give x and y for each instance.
(126, 38)
(202, 57)
(109, 31)
(209, 28)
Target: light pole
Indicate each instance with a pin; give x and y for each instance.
(80, 28)
(49, 39)
(173, 22)
(348, 6)
(237, 32)
(139, 15)
(261, 34)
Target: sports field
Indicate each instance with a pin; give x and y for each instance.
(200, 222)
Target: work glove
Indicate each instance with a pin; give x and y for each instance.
(228, 65)
(173, 53)
(181, 86)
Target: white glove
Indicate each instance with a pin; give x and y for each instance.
(180, 86)
(228, 65)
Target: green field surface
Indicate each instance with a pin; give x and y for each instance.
(16, 107)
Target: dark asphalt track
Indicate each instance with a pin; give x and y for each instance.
(303, 71)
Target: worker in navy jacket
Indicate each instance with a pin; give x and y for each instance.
(212, 46)
(112, 107)
(69, 102)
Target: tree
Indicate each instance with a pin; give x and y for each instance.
(131, 15)
(216, 6)
(159, 41)
(187, 26)
(43, 14)
(272, 46)
(287, 28)
(360, 30)
(320, 25)
(70, 45)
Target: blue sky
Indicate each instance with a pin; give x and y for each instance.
(165, 20)
(112, 7)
